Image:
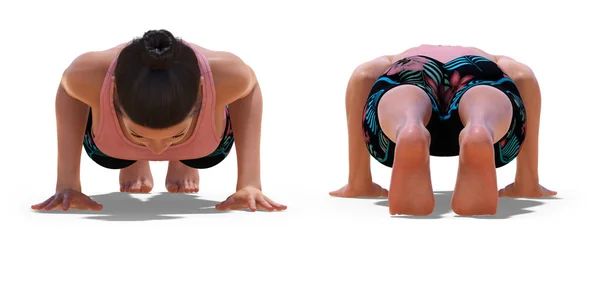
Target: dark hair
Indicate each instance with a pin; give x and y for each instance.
(157, 80)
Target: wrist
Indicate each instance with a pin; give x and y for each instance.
(526, 175)
(524, 182)
(68, 184)
(250, 182)
(68, 187)
(359, 178)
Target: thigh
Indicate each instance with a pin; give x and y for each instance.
(420, 71)
(466, 72)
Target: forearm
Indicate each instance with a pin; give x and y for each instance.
(71, 117)
(246, 118)
(359, 159)
(529, 89)
(527, 161)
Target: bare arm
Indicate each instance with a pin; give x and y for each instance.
(70, 124)
(246, 119)
(78, 89)
(357, 91)
(524, 78)
(71, 117)
(239, 87)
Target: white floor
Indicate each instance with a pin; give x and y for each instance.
(180, 237)
(162, 236)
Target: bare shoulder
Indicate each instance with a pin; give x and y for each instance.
(373, 68)
(233, 78)
(230, 67)
(515, 69)
(84, 77)
(512, 67)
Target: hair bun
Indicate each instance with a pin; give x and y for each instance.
(159, 48)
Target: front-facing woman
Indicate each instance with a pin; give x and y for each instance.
(158, 98)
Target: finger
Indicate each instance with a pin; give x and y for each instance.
(97, 206)
(238, 206)
(66, 202)
(225, 205)
(54, 203)
(277, 206)
(90, 204)
(502, 192)
(265, 204)
(251, 204)
(337, 193)
(548, 192)
(384, 192)
(43, 204)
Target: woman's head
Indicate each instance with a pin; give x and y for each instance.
(157, 81)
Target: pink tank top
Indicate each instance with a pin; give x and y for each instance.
(441, 53)
(109, 137)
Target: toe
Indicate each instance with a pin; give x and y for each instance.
(126, 187)
(192, 187)
(173, 188)
(146, 188)
(136, 187)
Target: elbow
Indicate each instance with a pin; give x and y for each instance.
(524, 74)
(519, 72)
(363, 73)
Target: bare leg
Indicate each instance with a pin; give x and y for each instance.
(403, 113)
(181, 178)
(486, 113)
(136, 178)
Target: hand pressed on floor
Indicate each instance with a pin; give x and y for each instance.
(371, 190)
(516, 190)
(66, 199)
(249, 198)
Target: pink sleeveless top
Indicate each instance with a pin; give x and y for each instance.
(441, 53)
(109, 137)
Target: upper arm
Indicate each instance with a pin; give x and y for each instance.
(364, 76)
(82, 79)
(516, 70)
(373, 68)
(524, 78)
(233, 78)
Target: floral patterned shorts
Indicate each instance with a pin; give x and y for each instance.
(445, 84)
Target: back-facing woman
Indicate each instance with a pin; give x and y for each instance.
(158, 98)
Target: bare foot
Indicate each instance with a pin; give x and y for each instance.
(136, 178)
(181, 178)
(411, 192)
(476, 191)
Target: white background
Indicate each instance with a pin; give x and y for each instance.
(303, 53)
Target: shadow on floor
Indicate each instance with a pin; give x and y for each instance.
(120, 206)
(507, 207)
